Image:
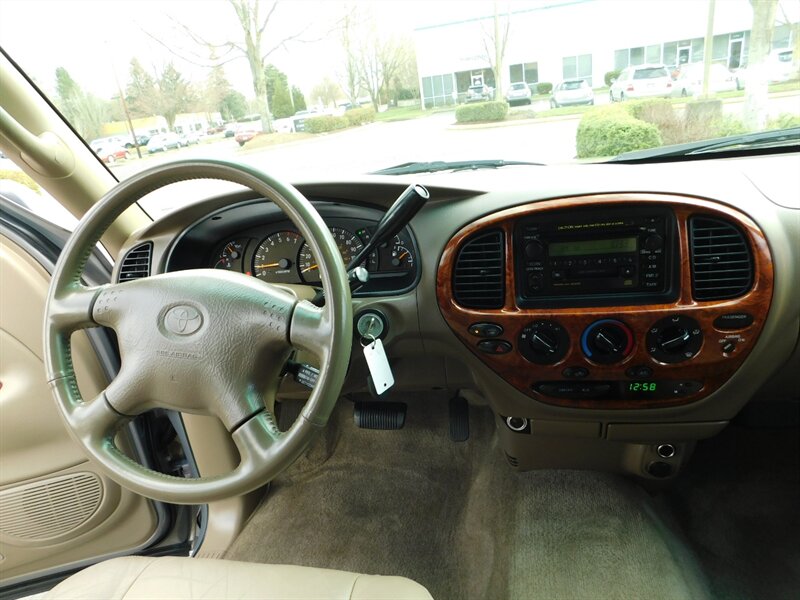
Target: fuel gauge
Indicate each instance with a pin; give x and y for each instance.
(230, 257)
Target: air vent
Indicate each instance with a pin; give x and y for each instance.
(722, 265)
(512, 460)
(51, 508)
(479, 274)
(136, 263)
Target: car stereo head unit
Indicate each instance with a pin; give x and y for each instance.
(617, 256)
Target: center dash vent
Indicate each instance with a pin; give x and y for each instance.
(479, 273)
(136, 263)
(722, 264)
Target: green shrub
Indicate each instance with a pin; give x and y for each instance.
(325, 123)
(784, 121)
(544, 87)
(611, 75)
(610, 130)
(484, 111)
(19, 177)
(726, 125)
(359, 116)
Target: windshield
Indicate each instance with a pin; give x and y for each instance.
(330, 88)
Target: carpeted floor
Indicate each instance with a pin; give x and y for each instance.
(739, 502)
(455, 518)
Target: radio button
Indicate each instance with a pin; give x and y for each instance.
(534, 250)
(627, 271)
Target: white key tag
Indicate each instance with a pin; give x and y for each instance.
(378, 364)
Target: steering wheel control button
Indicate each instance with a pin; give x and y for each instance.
(486, 330)
(575, 372)
(494, 346)
(639, 372)
(544, 342)
(674, 339)
(607, 341)
(733, 321)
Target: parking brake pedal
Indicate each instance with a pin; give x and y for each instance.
(459, 419)
(379, 415)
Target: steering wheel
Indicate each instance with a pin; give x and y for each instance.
(203, 341)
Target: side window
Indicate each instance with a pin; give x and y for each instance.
(17, 187)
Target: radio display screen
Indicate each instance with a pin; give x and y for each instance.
(584, 247)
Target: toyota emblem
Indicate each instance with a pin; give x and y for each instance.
(183, 320)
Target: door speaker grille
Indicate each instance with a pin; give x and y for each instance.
(50, 508)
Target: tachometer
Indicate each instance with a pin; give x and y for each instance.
(276, 257)
(348, 244)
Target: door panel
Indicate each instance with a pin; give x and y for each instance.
(56, 507)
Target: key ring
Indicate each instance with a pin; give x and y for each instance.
(371, 339)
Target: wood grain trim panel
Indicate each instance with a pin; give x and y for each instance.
(710, 365)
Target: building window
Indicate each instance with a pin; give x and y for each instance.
(621, 59)
(438, 90)
(524, 73)
(574, 67)
(637, 56)
(654, 54)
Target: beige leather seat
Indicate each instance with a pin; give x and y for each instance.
(136, 577)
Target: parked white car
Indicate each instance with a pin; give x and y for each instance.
(572, 92)
(642, 81)
(163, 141)
(689, 81)
(781, 65)
(518, 93)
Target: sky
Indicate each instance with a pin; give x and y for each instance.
(93, 38)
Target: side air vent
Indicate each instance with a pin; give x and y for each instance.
(479, 274)
(722, 264)
(136, 263)
(51, 508)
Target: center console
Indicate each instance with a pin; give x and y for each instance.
(615, 301)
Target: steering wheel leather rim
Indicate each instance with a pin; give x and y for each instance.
(277, 320)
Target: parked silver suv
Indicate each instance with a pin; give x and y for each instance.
(642, 81)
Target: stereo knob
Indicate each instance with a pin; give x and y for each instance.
(653, 242)
(534, 250)
(607, 341)
(674, 339)
(544, 342)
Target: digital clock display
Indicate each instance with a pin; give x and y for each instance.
(643, 386)
(584, 247)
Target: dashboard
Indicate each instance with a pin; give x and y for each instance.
(601, 311)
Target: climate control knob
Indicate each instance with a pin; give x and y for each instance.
(544, 342)
(607, 341)
(674, 339)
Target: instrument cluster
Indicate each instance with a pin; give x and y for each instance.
(277, 253)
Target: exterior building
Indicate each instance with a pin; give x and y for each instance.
(562, 39)
(184, 123)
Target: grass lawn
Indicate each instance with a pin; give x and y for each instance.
(410, 112)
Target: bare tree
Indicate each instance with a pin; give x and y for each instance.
(256, 45)
(757, 80)
(494, 43)
(326, 92)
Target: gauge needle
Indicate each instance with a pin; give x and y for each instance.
(402, 255)
(311, 268)
(267, 266)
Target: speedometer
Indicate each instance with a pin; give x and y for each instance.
(276, 256)
(348, 243)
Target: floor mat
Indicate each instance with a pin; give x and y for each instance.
(739, 502)
(455, 518)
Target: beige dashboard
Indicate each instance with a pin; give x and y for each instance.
(430, 345)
